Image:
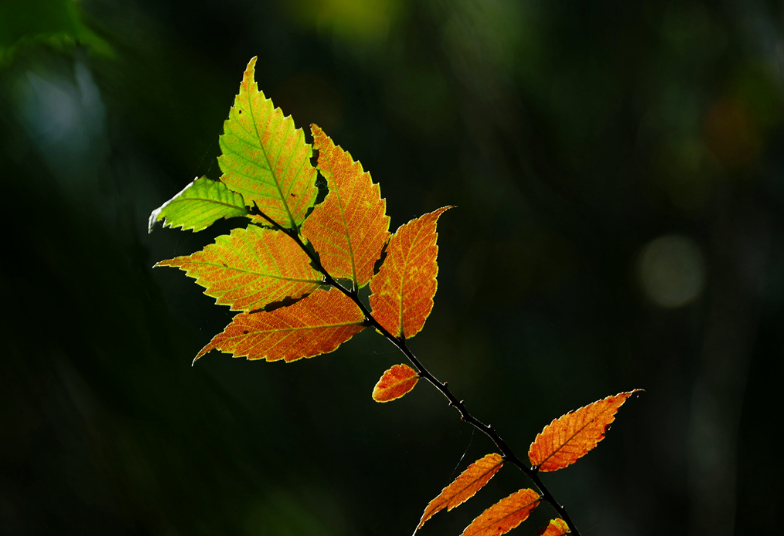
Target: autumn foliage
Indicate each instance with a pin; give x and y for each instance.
(294, 271)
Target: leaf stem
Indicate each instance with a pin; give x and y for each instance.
(400, 343)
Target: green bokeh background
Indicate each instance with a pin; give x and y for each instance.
(619, 174)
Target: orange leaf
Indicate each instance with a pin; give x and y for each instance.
(403, 289)
(569, 438)
(557, 527)
(504, 515)
(395, 382)
(250, 268)
(312, 326)
(465, 486)
(350, 227)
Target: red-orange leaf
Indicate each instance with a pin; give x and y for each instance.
(504, 515)
(314, 325)
(465, 486)
(350, 227)
(403, 289)
(557, 527)
(568, 438)
(250, 268)
(395, 383)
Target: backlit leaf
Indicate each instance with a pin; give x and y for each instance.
(315, 325)
(250, 268)
(265, 158)
(464, 486)
(395, 383)
(568, 438)
(403, 289)
(557, 527)
(350, 227)
(504, 515)
(198, 206)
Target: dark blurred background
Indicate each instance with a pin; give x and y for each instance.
(619, 176)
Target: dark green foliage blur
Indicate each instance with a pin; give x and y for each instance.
(618, 169)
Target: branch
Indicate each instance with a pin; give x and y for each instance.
(443, 387)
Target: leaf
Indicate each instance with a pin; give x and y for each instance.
(265, 158)
(464, 486)
(198, 206)
(504, 515)
(315, 325)
(569, 438)
(349, 229)
(250, 268)
(403, 290)
(395, 383)
(557, 527)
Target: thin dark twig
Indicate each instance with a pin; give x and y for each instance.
(507, 453)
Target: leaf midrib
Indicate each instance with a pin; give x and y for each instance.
(260, 274)
(292, 224)
(324, 326)
(575, 434)
(201, 200)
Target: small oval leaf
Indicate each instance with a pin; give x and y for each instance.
(570, 437)
(395, 383)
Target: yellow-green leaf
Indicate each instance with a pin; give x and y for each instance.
(250, 268)
(265, 158)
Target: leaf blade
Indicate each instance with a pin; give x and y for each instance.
(465, 486)
(570, 437)
(265, 158)
(395, 383)
(315, 325)
(350, 227)
(250, 268)
(504, 515)
(556, 527)
(403, 290)
(199, 205)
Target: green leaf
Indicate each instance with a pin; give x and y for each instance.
(265, 158)
(199, 205)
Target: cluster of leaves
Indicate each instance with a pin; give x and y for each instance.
(282, 270)
(294, 274)
(560, 444)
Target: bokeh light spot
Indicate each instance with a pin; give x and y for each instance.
(671, 271)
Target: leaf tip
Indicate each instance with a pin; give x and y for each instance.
(153, 219)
